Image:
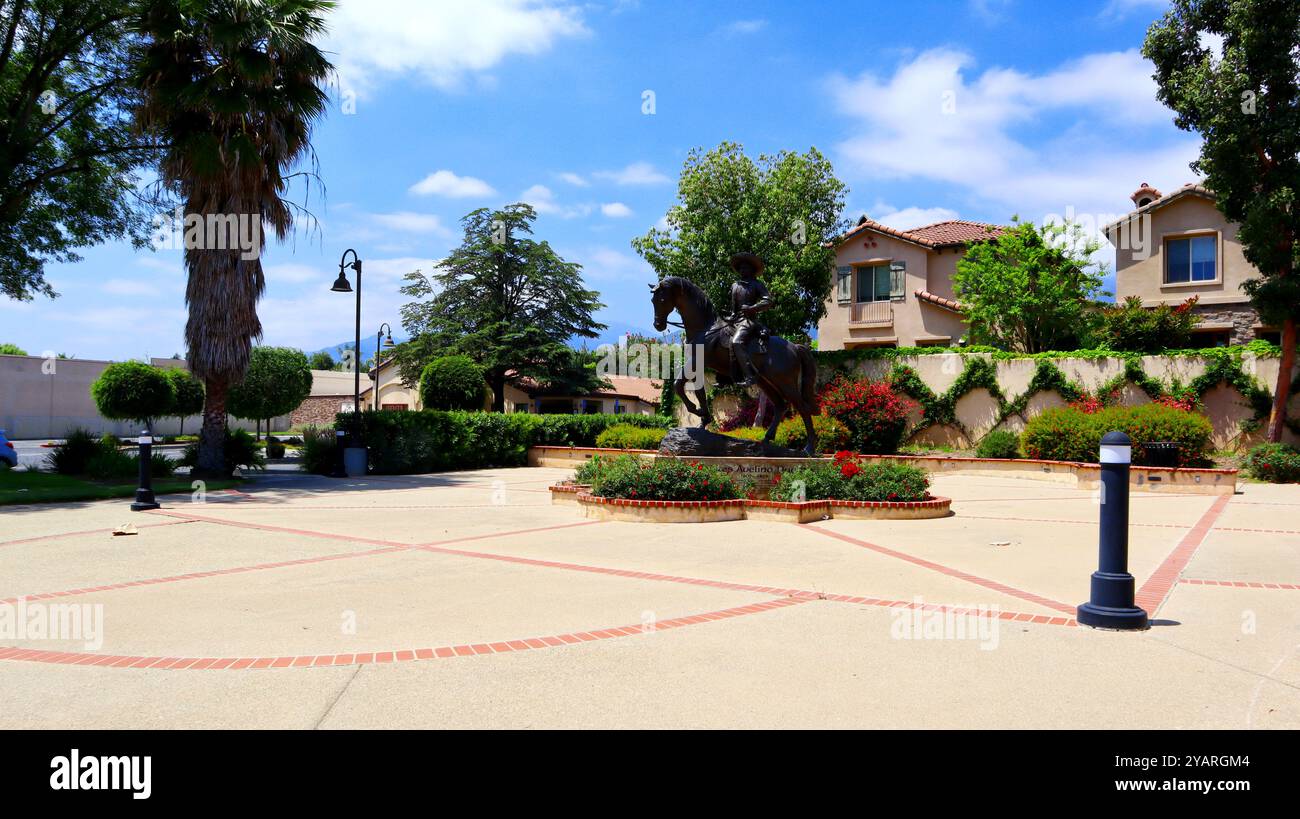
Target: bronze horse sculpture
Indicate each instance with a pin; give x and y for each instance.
(787, 372)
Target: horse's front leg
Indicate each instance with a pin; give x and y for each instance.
(679, 387)
(705, 413)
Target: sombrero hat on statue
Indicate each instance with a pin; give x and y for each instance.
(752, 258)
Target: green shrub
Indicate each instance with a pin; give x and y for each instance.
(1275, 463)
(274, 449)
(452, 382)
(832, 436)
(626, 436)
(319, 450)
(586, 472)
(1133, 327)
(241, 451)
(1069, 434)
(850, 478)
(71, 456)
(403, 443)
(635, 478)
(999, 444)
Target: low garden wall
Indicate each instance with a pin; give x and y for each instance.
(1076, 475)
(963, 396)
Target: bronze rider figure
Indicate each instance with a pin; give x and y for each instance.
(749, 297)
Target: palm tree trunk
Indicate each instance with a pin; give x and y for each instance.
(1277, 419)
(212, 438)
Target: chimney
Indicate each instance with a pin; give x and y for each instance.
(1145, 195)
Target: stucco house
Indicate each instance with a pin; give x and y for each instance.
(894, 288)
(1177, 245)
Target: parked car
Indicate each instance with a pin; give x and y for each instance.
(7, 453)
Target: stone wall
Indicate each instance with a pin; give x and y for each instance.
(1241, 317)
(319, 410)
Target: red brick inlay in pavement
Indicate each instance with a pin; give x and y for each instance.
(1153, 593)
(951, 572)
(395, 655)
(1241, 584)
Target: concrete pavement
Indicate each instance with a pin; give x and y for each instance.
(468, 600)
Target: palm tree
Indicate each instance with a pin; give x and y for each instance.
(231, 88)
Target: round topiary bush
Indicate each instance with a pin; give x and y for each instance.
(452, 382)
(999, 444)
(133, 391)
(1275, 463)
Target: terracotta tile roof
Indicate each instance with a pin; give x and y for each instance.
(940, 234)
(938, 301)
(1190, 189)
(646, 389)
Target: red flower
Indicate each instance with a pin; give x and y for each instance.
(849, 469)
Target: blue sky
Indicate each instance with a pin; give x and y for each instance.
(975, 110)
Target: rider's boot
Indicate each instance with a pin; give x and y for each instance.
(749, 376)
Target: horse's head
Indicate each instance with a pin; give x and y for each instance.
(663, 296)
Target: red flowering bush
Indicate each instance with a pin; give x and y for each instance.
(635, 478)
(1275, 463)
(876, 415)
(1184, 403)
(848, 477)
(1088, 404)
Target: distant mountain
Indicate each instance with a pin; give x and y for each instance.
(368, 347)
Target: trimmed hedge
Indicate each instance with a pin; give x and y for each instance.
(403, 443)
(1070, 434)
(999, 443)
(626, 436)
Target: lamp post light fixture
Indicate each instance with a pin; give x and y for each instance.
(341, 285)
(383, 341)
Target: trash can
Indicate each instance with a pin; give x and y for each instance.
(1162, 453)
(354, 461)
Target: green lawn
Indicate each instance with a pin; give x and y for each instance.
(45, 487)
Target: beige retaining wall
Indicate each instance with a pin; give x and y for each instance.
(977, 411)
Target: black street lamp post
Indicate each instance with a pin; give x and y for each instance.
(341, 285)
(384, 341)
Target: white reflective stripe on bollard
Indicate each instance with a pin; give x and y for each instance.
(1111, 454)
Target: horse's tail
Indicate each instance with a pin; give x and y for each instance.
(808, 378)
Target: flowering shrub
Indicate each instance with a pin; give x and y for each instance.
(1069, 434)
(848, 477)
(1275, 463)
(634, 478)
(1184, 403)
(874, 414)
(1088, 404)
(832, 436)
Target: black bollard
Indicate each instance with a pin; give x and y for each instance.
(144, 498)
(1112, 603)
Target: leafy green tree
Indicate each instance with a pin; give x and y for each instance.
(504, 299)
(1131, 327)
(231, 89)
(1245, 104)
(187, 395)
(68, 148)
(453, 382)
(784, 207)
(1031, 289)
(277, 381)
(322, 361)
(133, 391)
(11, 349)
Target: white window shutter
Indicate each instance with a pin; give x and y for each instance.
(898, 280)
(844, 285)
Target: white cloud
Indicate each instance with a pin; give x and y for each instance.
(638, 173)
(935, 119)
(602, 263)
(911, 217)
(543, 201)
(1118, 9)
(574, 179)
(441, 41)
(616, 210)
(741, 27)
(408, 222)
(447, 183)
(129, 287)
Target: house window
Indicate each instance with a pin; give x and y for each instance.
(873, 284)
(1191, 259)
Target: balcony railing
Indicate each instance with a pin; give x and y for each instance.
(872, 312)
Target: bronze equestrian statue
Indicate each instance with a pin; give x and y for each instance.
(786, 372)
